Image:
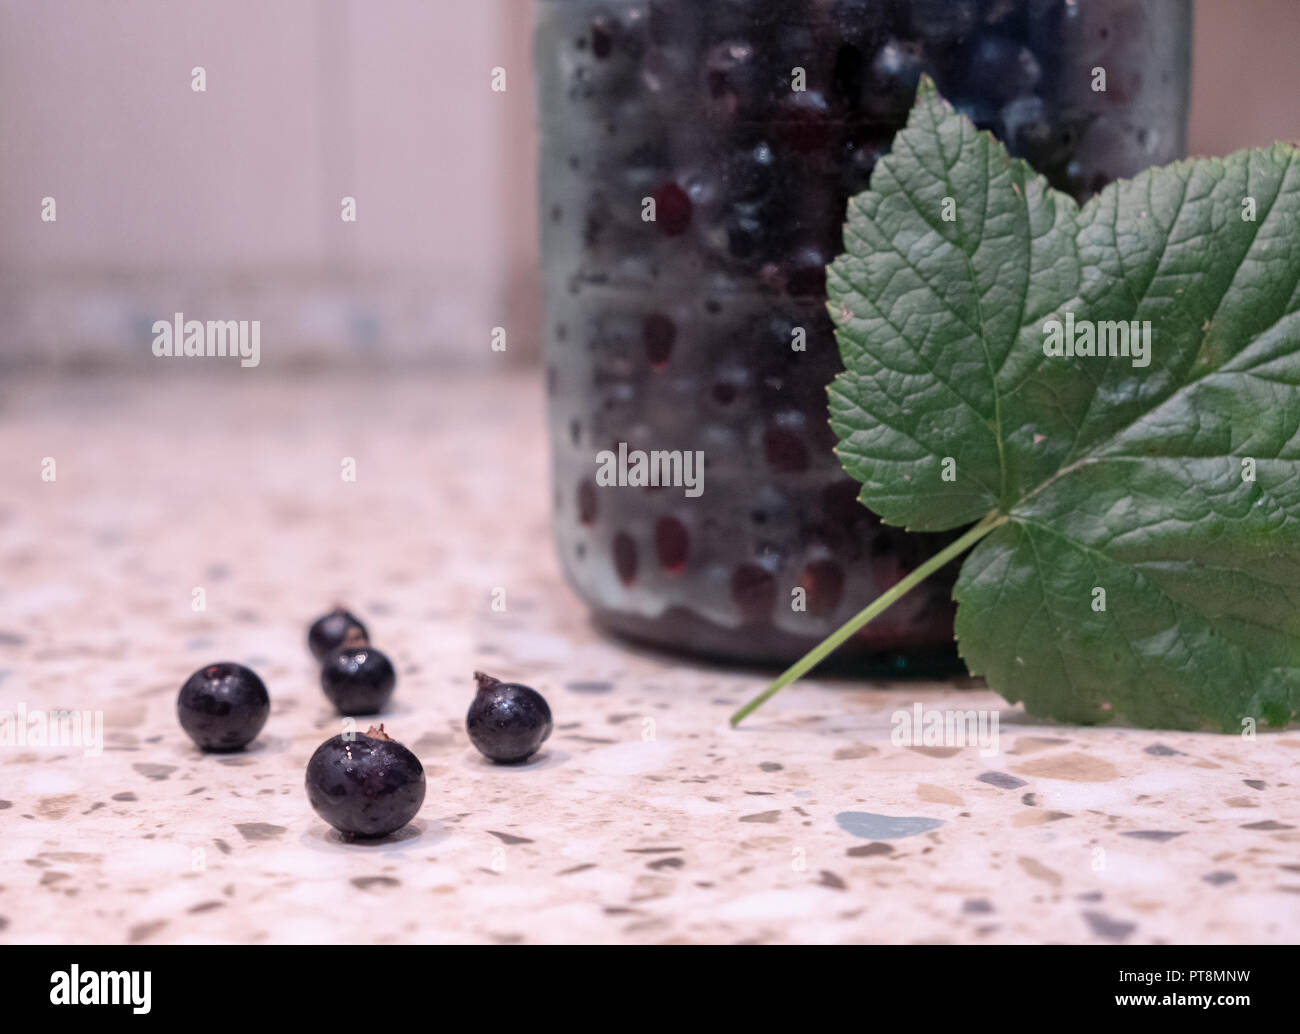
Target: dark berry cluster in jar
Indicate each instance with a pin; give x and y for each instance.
(745, 126)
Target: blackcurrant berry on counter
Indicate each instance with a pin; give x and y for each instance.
(223, 706)
(365, 785)
(358, 680)
(333, 631)
(507, 722)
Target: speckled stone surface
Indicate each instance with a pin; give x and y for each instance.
(646, 820)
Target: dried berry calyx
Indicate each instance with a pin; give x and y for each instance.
(335, 631)
(354, 637)
(485, 681)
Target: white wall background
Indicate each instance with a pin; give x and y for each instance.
(226, 204)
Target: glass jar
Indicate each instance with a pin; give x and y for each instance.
(703, 331)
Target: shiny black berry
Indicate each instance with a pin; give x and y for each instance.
(333, 631)
(223, 706)
(365, 785)
(507, 722)
(358, 680)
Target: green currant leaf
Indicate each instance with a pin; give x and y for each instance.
(1172, 487)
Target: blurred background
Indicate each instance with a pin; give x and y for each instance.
(227, 202)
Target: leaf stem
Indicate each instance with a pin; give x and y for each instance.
(828, 645)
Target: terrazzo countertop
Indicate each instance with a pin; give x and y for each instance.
(647, 819)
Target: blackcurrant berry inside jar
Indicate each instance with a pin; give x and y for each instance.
(696, 160)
